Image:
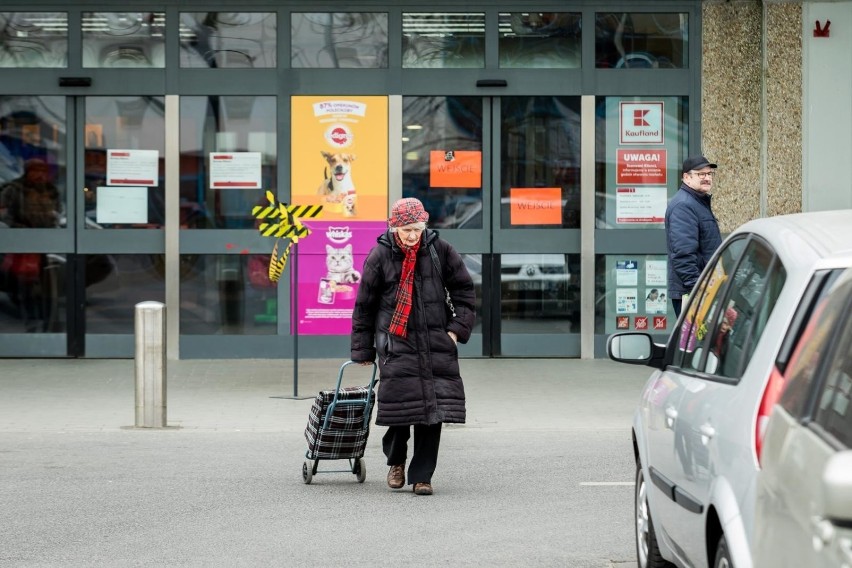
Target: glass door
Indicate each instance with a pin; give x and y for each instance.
(500, 178)
(81, 222)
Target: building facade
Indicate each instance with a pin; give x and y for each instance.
(144, 153)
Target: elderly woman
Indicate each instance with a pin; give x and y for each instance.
(415, 303)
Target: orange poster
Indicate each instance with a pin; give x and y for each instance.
(340, 156)
(535, 205)
(455, 168)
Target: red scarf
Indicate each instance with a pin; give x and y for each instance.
(399, 320)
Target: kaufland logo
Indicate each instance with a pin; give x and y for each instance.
(641, 123)
(338, 235)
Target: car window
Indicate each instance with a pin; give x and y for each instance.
(809, 352)
(833, 405)
(704, 305)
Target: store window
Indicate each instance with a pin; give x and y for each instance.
(540, 162)
(443, 40)
(442, 158)
(540, 293)
(32, 174)
(228, 294)
(631, 294)
(539, 40)
(228, 159)
(638, 159)
(125, 163)
(639, 40)
(332, 40)
(33, 39)
(115, 283)
(124, 39)
(228, 40)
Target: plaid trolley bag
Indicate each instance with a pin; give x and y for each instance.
(338, 427)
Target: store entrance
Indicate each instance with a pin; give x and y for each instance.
(500, 177)
(81, 222)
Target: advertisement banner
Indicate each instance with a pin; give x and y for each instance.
(330, 264)
(340, 156)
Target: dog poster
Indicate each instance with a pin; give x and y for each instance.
(340, 156)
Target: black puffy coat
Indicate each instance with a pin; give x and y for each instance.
(419, 374)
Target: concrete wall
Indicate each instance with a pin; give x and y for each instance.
(751, 107)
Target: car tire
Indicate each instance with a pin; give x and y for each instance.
(647, 551)
(723, 556)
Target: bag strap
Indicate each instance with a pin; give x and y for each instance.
(434, 254)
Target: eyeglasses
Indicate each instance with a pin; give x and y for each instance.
(704, 175)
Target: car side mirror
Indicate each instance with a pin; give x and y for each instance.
(837, 488)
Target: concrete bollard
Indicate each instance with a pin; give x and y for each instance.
(150, 365)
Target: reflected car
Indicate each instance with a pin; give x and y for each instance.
(698, 426)
(804, 490)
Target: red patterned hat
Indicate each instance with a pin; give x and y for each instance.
(407, 211)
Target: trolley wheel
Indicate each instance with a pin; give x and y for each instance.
(360, 470)
(307, 473)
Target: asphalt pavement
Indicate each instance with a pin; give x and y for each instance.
(541, 474)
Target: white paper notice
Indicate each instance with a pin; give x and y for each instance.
(122, 205)
(133, 167)
(235, 170)
(626, 273)
(626, 301)
(640, 205)
(655, 301)
(655, 272)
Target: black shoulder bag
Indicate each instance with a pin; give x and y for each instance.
(447, 299)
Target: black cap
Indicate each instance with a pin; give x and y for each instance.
(696, 163)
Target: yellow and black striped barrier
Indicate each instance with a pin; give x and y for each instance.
(287, 225)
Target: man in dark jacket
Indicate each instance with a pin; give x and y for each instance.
(401, 317)
(692, 231)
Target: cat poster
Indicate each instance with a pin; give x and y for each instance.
(339, 156)
(330, 264)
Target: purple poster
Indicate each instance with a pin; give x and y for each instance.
(330, 262)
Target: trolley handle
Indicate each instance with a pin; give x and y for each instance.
(335, 401)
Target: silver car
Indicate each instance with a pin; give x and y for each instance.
(804, 494)
(698, 426)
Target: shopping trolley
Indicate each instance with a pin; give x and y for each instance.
(338, 427)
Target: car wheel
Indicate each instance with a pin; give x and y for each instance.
(723, 556)
(647, 552)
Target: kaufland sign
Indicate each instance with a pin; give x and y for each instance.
(642, 123)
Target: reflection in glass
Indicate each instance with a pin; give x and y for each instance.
(126, 123)
(224, 124)
(32, 171)
(228, 39)
(540, 162)
(227, 294)
(32, 293)
(473, 263)
(339, 40)
(115, 284)
(641, 40)
(33, 39)
(124, 39)
(540, 293)
(440, 125)
(539, 40)
(443, 40)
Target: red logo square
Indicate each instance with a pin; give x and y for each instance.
(659, 322)
(640, 322)
(622, 322)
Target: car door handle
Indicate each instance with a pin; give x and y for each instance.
(671, 416)
(707, 432)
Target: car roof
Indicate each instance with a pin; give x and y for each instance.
(827, 234)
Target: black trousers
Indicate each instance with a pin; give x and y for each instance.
(427, 439)
(676, 304)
